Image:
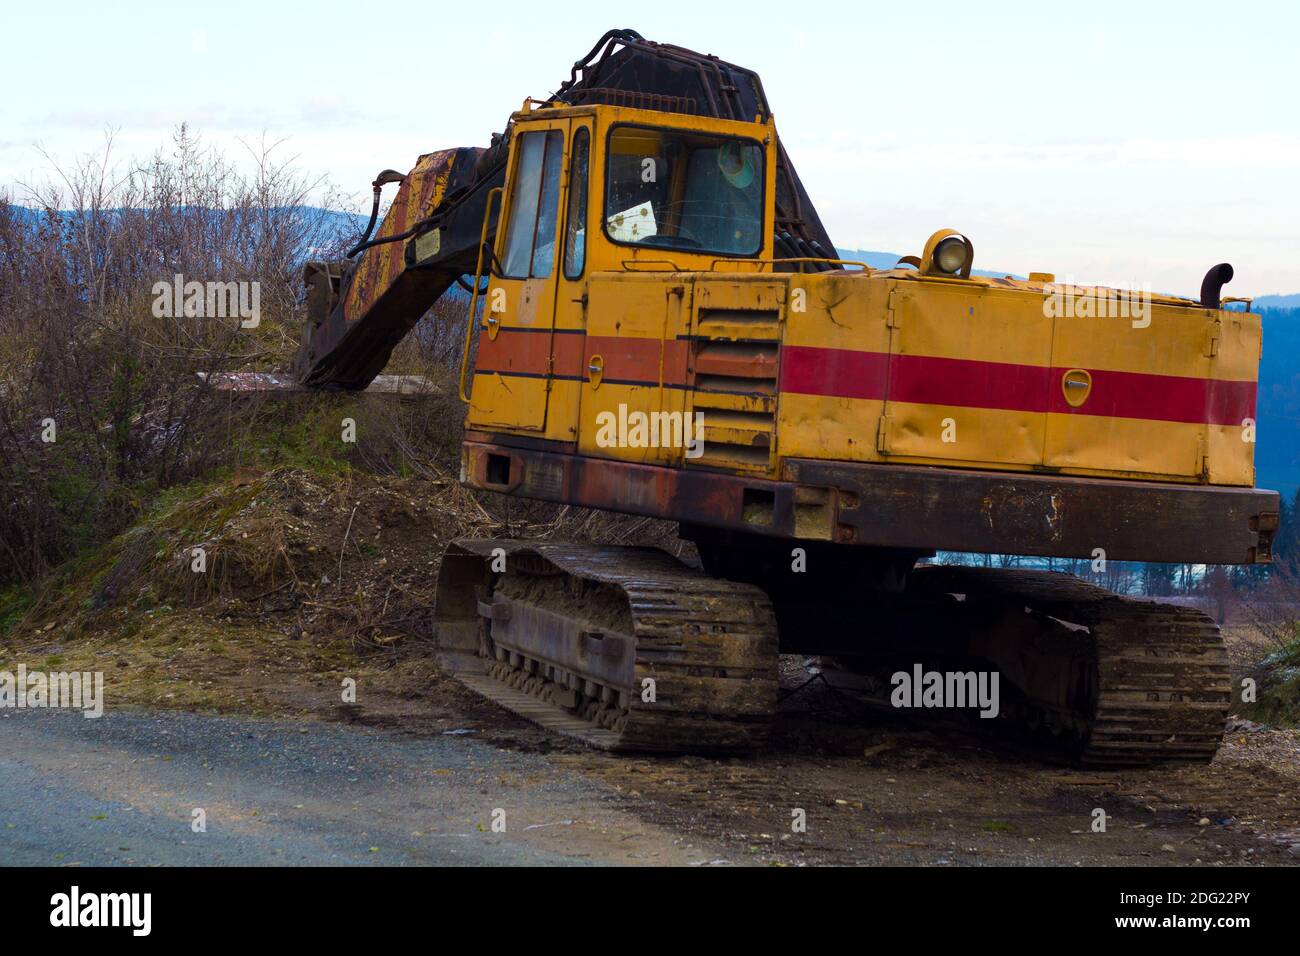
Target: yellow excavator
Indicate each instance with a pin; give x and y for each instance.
(660, 326)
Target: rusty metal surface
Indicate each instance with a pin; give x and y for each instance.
(1051, 516)
(561, 640)
(420, 193)
(913, 507)
(1132, 682)
(707, 646)
(382, 294)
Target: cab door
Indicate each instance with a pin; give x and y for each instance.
(571, 299)
(513, 368)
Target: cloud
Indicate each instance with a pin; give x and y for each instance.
(1226, 152)
(313, 112)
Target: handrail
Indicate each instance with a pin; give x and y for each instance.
(473, 299)
(713, 266)
(629, 264)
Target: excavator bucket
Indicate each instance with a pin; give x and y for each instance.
(359, 310)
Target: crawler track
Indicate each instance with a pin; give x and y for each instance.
(1117, 681)
(575, 637)
(627, 649)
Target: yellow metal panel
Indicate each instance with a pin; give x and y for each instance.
(834, 429)
(1231, 458)
(1230, 447)
(1175, 343)
(833, 311)
(759, 292)
(955, 434)
(968, 324)
(1101, 443)
(1240, 346)
(562, 410)
(973, 323)
(629, 408)
(498, 401)
(843, 311)
(634, 322)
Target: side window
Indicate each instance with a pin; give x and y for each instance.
(530, 234)
(575, 232)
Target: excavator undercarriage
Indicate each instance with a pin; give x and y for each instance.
(622, 648)
(628, 649)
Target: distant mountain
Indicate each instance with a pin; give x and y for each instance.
(887, 260)
(875, 260)
(334, 224)
(1264, 302)
(1277, 454)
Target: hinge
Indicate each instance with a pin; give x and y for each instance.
(882, 435)
(891, 314)
(1212, 339)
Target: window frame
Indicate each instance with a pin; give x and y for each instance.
(507, 214)
(584, 211)
(762, 194)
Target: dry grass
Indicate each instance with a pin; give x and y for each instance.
(308, 577)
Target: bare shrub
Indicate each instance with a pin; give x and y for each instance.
(82, 348)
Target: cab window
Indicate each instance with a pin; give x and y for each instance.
(575, 230)
(535, 195)
(678, 189)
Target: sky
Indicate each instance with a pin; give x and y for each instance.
(1134, 143)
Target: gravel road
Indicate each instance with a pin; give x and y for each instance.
(122, 790)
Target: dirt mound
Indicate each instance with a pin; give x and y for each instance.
(354, 555)
(258, 592)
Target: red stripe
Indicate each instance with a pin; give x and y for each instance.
(629, 358)
(1167, 398)
(945, 381)
(838, 373)
(626, 358)
(522, 353)
(924, 380)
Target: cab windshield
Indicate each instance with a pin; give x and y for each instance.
(676, 189)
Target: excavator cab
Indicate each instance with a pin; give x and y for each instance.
(601, 189)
